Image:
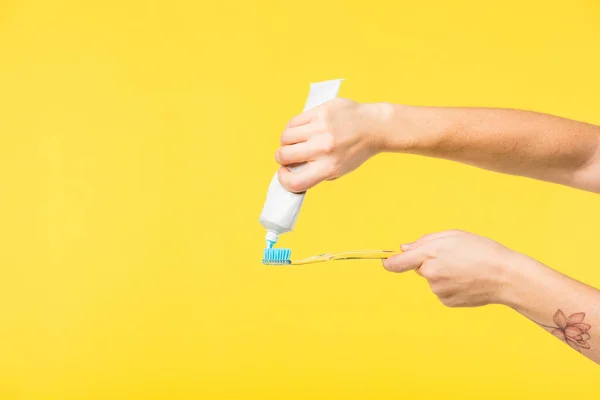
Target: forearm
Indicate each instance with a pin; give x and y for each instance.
(515, 142)
(567, 308)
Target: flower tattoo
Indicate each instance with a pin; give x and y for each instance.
(572, 330)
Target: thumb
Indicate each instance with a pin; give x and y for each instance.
(411, 259)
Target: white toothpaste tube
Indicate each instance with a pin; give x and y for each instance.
(281, 208)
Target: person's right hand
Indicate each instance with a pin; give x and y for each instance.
(332, 139)
(463, 269)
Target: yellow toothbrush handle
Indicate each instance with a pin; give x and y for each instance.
(348, 255)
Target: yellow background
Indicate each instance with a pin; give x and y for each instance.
(136, 146)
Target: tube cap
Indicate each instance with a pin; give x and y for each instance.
(272, 236)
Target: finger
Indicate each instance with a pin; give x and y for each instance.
(426, 239)
(302, 180)
(302, 119)
(406, 261)
(297, 134)
(295, 154)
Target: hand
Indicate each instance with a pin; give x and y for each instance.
(333, 139)
(463, 269)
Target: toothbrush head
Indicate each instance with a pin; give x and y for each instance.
(277, 257)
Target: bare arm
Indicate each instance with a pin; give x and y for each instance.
(516, 142)
(467, 270)
(338, 136)
(568, 309)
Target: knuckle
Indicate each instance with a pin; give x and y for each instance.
(340, 102)
(284, 137)
(335, 101)
(428, 272)
(283, 179)
(332, 171)
(436, 288)
(281, 156)
(295, 185)
(432, 250)
(328, 148)
(291, 122)
(447, 299)
(431, 276)
(328, 144)
(437, 251)
(448, 302)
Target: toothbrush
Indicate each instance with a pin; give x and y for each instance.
(282, 256)
(274, 256)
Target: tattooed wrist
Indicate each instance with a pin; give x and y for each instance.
(573, 330)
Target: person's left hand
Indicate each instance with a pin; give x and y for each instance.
(332, 140)
(463, 269)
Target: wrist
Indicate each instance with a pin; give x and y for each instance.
(411, 129)
(521, 273)
(374, 122)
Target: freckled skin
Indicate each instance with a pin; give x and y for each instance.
(340, 135)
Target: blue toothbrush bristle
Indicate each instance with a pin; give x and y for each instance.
(277, 257)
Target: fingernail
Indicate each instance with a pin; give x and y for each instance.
(406, 246)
